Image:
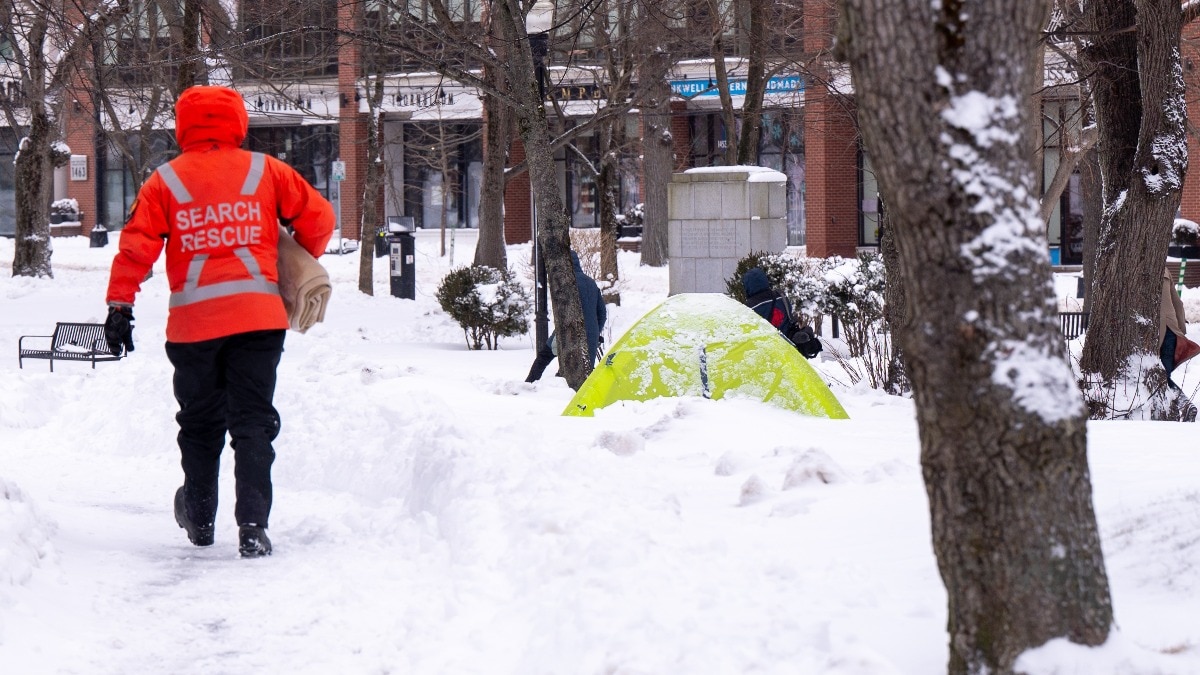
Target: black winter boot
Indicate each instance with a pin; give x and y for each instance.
(200, 535)
(253, 541)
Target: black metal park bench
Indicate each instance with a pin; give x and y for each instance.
(1073, 324)
(70, 342)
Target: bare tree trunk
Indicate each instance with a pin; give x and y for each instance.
(1138, 92)
(553, 237)
(497, 134)
(717, 52)
(372, 189)
(608, 186)
(443, 168)
(191, 70)
(34, 173)
(1092, 187)
(756, 84)
(1005, 470)
(658, 156)
(895, 308)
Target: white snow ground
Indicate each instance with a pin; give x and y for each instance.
(435, 514)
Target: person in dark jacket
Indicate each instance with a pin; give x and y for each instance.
(772, 306)
(594, 316)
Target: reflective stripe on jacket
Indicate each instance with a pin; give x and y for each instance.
(240, 234)
(216, 209)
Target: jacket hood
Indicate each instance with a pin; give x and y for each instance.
(210, 116)
(755, 281)
(575, 262)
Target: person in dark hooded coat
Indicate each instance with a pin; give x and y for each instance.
(772, 306)
(594, 316)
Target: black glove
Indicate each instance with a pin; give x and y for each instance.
(806, 342)
(118, 329)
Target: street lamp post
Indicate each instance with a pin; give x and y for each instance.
(537, 25)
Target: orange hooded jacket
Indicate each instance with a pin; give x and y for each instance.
(217, 208)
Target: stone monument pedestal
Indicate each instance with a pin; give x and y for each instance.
(717, 216)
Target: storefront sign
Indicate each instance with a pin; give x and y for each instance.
(737, 87)
(575, 92)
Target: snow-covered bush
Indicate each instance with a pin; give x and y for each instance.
(854, 293)
(799, 280)
(631, 221)
(1185, 232)
(851, 290)
(60, 154)
(488, 303)
(64, 206)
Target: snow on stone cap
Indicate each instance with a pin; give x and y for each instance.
(758, 174)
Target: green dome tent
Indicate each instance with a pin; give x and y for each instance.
(705, 344)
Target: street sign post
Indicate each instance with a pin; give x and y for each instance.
(339, 175)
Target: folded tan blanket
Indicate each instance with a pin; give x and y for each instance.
(303, 283)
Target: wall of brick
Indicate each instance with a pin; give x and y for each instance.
(352, 126)
(831, 175)
(79, 132)
(1190, 53)
(518, 209)
(681, 135)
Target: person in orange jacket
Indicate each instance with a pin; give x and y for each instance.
(217, 209)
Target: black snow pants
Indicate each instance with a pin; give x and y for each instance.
(227, 385)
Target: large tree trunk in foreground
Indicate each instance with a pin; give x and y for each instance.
(1002, 425)
(1138, 93)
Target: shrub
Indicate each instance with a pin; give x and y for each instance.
(586, 244)
(854, 292)
(849, 289)
(1184, 232)
(64, 206)
(797, 279)
(488, 303)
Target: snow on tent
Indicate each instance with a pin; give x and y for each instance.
(705, 344)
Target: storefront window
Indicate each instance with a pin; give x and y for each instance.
(310, 150)
(128, 161)
(709, 140)
(442, 173)
(8, 206)
(781, 147)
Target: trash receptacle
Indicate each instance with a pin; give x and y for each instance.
(402, 250)
(99, 237)
(381, 241)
